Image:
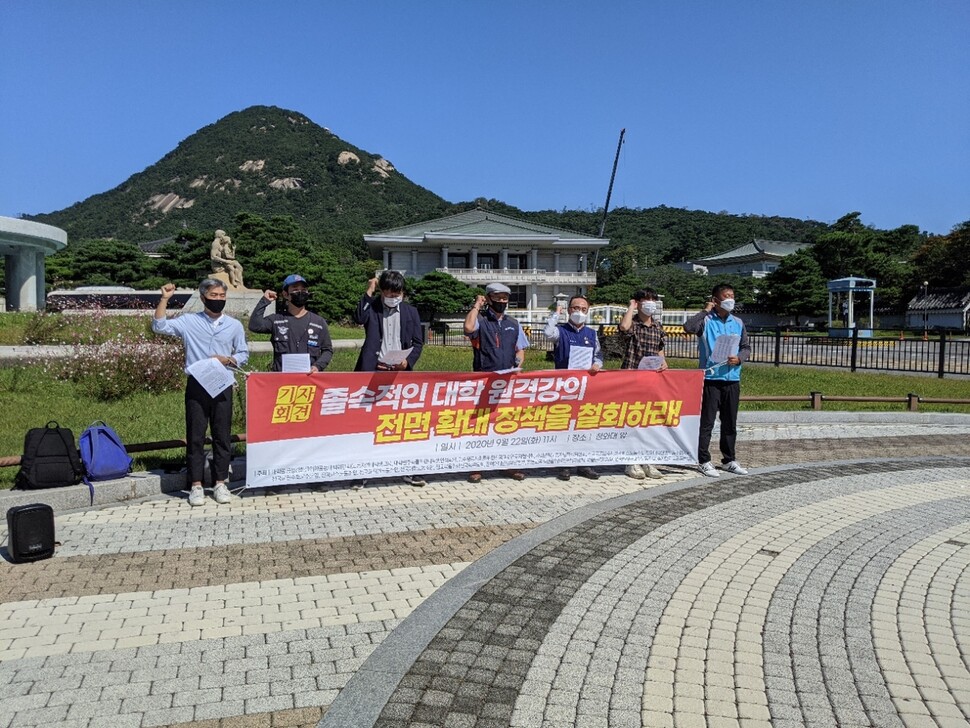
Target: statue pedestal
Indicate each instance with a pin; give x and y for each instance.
(239, 302)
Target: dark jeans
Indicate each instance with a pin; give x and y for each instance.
(720, 398)
(202, 411)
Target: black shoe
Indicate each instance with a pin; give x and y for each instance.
(563, 474)
(417, 481)
(587, 472)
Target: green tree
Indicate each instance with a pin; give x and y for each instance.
(618, 290)
(942, 260)
(853, 249)
(439, 293)
(99, 263)
(797, 287)
(185, 260)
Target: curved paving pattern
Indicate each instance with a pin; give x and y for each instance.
(804, 596)
(825, 594)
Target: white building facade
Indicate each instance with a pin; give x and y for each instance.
(24, 245)
(539, 263)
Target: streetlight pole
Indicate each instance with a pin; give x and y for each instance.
(925, 303)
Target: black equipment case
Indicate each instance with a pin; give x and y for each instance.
(30, 532)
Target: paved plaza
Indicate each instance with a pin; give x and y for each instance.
(827, 588)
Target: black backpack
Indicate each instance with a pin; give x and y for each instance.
(50, 459)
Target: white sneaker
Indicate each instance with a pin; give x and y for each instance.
(734, 467)
(196, 496)
(635, 472)
(709, 470)
(221, 493)
(651, 472)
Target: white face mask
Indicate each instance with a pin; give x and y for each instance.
(392, 301)
(648, 308)
(727, 304)
(577, 317)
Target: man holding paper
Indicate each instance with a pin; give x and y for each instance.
(300, 338)
(498, 342)
(645, 340)
(576, 347)
(212, 342)
(392, 333)
(723, 347)
(392, 327)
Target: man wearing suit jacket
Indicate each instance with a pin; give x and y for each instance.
(389, 324)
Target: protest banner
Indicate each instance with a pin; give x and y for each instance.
(308, 428)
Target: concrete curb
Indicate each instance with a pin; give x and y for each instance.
(108, 492)
(803, 417)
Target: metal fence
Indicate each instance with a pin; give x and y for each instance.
(939, 353)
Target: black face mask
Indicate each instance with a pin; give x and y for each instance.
(299, 298)
(214, 304)
(499, 306)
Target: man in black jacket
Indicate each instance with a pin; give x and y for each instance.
(298, 331)
(390, 325)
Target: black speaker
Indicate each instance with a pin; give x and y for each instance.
(30, 532)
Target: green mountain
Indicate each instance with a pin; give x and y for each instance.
(264, 160)
(269, 161)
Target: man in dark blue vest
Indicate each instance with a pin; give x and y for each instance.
(576, 347)
(498, 342)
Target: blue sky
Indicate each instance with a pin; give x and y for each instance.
(793, 108)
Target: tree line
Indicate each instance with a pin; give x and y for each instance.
(271, 247)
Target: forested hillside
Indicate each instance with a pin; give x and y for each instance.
(264, 160)
(292, 193)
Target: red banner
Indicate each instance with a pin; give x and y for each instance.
(611, 416)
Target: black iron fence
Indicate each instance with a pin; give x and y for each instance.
(939, 353)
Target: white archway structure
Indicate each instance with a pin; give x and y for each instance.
(24, 246)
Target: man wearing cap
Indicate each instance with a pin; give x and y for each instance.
(297, 331)
(498, 342)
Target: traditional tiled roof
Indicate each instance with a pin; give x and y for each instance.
(153, 246)
(941, 299)
(481, 222)
(755, 250)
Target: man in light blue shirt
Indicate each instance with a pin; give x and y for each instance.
(207, 334)
(722, 379)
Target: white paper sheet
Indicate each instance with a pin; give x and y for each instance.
(299, 363)
(725, 345)
(580, 357)
(651, 363)
(212, 375)
(513, 370)
(395, 357)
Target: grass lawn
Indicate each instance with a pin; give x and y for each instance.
(31, 398)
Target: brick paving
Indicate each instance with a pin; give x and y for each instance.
(807, 593)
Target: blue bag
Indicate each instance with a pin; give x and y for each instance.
(103, 454)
